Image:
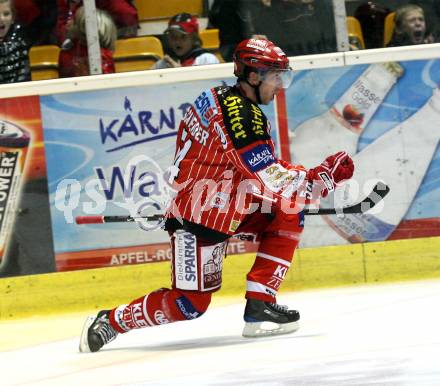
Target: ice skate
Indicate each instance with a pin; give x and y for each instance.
(266, 319)
(96, 332)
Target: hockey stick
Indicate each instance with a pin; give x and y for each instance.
(379, 191)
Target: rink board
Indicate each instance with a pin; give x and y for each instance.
(313, 268)
(96, 128)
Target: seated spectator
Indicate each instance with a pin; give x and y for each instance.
(410, 27)
(184, 43)
(431, 9)
(73, 60)
(38, 18)
(123, 12)
(14, 47)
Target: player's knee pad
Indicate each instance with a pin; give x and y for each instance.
(196, 264)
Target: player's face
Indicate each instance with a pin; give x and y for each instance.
(272, 83)
(6, 19)
(414, 25)
(180, 43)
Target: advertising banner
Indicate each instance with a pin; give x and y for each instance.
(386, 115)
(25, 232)
(107, 153)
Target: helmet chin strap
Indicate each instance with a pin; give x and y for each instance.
(257, 91)
(244, 77)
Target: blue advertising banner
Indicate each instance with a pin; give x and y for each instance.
(107, 152)
(386, 115)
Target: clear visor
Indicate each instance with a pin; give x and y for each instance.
(280, 78)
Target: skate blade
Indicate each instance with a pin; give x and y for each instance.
(83, 342)
(261, 329)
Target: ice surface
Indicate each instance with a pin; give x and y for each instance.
(367, 335)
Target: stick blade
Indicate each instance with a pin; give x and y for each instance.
(378, 193)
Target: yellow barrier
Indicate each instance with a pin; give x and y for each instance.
(313, 267)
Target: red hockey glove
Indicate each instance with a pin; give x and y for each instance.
(336, 168)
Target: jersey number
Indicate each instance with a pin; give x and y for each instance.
(180, 155)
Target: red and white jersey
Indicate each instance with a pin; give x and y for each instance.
(224, 155)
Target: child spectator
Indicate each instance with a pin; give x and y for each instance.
(14, 47)
(431, 8)
(73, 60)
(184, 43)
(410, 27)
(123, 12)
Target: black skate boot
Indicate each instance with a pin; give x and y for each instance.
(264, 319)
(96, 332)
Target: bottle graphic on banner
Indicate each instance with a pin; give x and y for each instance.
(339, 128)
(14, 145)
(400, 158)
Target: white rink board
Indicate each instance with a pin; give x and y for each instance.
(375, 335)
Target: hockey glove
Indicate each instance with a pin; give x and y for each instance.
(335, 169)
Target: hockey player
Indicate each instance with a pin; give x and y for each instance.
(226, 167)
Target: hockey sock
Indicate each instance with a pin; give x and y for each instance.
(159, 307)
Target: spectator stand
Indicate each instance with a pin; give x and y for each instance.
(44, 62)
(137, 54)
(154, 15)
(388, 28)
(355, 35)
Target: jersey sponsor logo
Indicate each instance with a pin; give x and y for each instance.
(327, 181)
(205, 107)
(258, 122)
(234, 107)
(160, 317)
(234, 225)
(194, 126)
(222, 90)
(186, 260)
(219, 200)
(273, 177)
(212, 264)
(221, 135)
(133, 316)
(244, 236)
(280, 271)
(293, 182)
(186, 308)
(276, 177)
(244, 121)
(258, 158)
